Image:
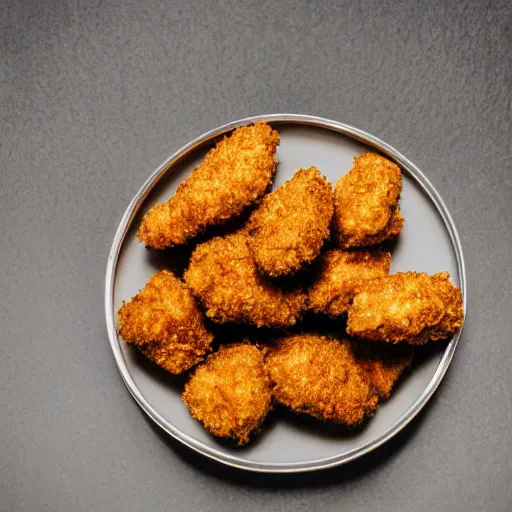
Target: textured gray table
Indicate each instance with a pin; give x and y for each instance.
(95, 95)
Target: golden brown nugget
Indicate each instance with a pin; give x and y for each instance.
(342, 275)
(230, 394)
(164, 321)
(234, 175)
(290, 226)
(366, 199)
(383, 367)
(223, 276)
(407, 306)
(320, 376)
(384, 374)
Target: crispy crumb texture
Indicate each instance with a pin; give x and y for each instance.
(382, 364)
(224, 277)
(164, 321)
(230, 393)
(366, 199)
(342, 275)
(290, 226)
(407, 306)
(323, 377)
(234, 175)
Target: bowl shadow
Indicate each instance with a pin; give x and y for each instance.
(173, 382)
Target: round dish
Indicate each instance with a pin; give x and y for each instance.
(428, 243)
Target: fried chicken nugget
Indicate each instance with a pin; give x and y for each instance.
(319, 376)
(366, 199)
(234, 175)
(165, 323)
(230, 394)
(409, 306)
(223, 276)
(289, 227)
(342, 275)
(383, 366)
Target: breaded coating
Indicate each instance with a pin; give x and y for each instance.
(234, 175)
(407, 306)
(383, 366)
(342, 275)
(319, 376)
(366, 199)
(230, 394)
(223, 275)
(289, 227)
(383, 374)
(164, 321)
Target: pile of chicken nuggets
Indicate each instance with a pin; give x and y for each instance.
(337, 237)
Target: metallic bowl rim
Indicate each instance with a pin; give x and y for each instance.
(126, 222)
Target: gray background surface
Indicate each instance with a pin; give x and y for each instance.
(95, 95)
